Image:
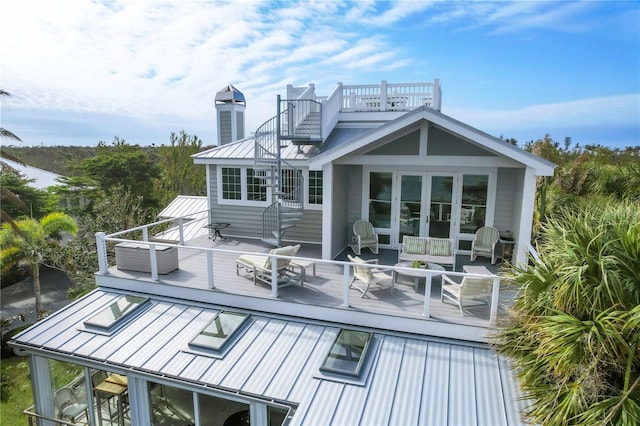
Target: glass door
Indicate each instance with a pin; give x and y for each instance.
(410, 206)
(440, 205)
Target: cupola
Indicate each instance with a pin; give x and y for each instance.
(230, 106)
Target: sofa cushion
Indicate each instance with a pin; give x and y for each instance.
(414, 245)
(438, 247)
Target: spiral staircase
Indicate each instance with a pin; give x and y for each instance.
(297, 122)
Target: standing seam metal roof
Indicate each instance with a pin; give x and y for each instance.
(411, 380)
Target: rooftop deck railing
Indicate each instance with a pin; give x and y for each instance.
(141, 236)
(391, 97)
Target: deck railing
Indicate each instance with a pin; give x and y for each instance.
(391, 97)
(103, 240)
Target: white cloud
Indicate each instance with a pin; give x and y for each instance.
(165, 60)
(621, 110)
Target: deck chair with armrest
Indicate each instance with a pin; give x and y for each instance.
(259, 267)
(469, 292)
(368, 276)
(365, 236)
(484, 243)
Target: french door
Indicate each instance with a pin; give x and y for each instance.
(426, 205)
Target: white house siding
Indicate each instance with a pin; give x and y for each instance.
(505, 190)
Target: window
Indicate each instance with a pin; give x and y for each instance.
(122, 308)
(291, 181)
(474, 203)
(256, 190)
(231, 183)
(315, 187)
(380, 199)
(348, 353)
(219, 331)
(241, 186)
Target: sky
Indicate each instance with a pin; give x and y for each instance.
(81, 72)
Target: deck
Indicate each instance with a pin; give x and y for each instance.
(324, 296)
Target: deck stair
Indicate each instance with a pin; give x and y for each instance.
(297, 122)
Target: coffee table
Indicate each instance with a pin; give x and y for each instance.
(415, 273)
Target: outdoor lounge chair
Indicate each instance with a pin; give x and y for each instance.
(368, 276)
(69, 406)
(365, 236)
(485, 243)
(259, 266)
(470, 292)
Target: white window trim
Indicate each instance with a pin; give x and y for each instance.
(307, 204)
(243, 201)
(492, 172)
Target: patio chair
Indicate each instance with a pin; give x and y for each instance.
(368, 276)
(485, 243)
(259, 266)
(469, 292)
(365, 236)
(69, 406)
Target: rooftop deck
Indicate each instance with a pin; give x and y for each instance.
(207, 272)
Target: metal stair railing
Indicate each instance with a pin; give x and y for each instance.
(286, 181)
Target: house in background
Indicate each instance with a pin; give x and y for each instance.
(384, 153)
(45, 180)
(175, 335)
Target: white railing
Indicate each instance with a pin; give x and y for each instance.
(391, 97)
(102, 240)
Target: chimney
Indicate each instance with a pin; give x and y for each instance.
(230, 106)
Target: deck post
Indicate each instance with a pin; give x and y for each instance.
(145, 234)
(210, 268)
(345, 285)
(274, 276)
(153, 261)
(427, 296)
(495, 296)
(181, 230)
(101, 245)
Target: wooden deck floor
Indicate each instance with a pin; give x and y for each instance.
(325, 289)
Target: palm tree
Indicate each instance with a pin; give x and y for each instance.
(4, 133)
(572, 335)
(31, 240)
(6, 195)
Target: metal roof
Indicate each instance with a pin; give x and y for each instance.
(243, 150)
(42, 179)
(410, 379)
(188, 206)
(229, 94)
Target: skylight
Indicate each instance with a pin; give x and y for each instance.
(122, 308)
(219, 331)
(348, 353)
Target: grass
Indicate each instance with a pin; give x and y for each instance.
(16, 387)
(16, 391)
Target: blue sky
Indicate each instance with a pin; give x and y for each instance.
(81, 72)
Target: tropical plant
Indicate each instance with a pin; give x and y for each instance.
(4, 133)
(31, 241)
(78, 258)
(179, 175)
(572, 334)
(7, 196)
